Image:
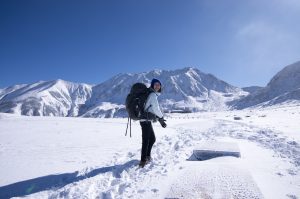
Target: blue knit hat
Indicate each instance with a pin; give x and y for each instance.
(153, 82)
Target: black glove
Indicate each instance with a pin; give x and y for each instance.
(162, 122)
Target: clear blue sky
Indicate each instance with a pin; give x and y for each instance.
(242, 42)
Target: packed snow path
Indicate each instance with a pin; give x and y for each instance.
(269, 159)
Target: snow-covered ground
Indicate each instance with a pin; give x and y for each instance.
(56, 157)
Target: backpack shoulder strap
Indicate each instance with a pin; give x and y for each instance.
(150, 90)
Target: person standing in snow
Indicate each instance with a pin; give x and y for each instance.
(152, 112)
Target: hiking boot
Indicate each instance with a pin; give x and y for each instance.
(142, 164)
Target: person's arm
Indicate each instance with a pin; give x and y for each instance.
(154, 105)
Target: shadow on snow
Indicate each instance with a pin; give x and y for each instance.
(57, 181)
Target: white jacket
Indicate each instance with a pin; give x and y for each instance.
(152, 105)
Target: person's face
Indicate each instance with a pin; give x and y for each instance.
(156, 86)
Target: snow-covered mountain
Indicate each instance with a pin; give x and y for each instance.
(184, 90)
(284, 87)
(10, 89)
(45, 98)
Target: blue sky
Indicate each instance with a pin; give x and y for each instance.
(241, 42)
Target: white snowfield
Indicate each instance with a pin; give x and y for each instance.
(56, 157)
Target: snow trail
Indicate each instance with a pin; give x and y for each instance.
(169, 154)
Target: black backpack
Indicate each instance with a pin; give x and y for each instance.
(135, 103)
(136, 100)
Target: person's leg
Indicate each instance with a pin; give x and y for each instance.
(152, 139)
(145, 139)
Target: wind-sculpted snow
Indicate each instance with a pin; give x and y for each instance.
(280, 144)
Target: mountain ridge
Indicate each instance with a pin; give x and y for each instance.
(179, 87)
(284, 83)
(183, 90)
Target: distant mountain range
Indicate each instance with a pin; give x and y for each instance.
(45, 98)
(184, 90)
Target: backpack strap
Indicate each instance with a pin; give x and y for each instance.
(150, 90)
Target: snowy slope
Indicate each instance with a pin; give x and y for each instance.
(10, 89)
(186, 89)
(283, 88)
(252, 89)
(45, 98)
(91, 158)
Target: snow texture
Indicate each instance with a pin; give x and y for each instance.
(57, 157)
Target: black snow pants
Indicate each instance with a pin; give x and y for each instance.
(148, 138)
